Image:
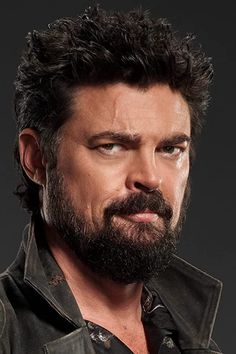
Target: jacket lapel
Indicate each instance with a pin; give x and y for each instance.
(192, 298)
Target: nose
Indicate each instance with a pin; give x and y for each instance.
(144, 175)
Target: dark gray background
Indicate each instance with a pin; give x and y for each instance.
(208, 238)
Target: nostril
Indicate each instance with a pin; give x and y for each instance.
(143, 188)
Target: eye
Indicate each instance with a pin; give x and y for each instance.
(110, 148)
(173, 150)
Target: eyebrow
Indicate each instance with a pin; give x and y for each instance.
(121, 137)
(135, 139)
(176, 139)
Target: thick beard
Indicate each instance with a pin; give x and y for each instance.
(124, 252)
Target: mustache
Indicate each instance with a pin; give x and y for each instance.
(137, 203)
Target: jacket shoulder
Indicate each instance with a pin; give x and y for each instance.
(6, 312)
(2, 310)
(6, 289)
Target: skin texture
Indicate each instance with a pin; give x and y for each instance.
(147, 147)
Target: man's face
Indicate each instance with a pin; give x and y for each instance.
(122, 171)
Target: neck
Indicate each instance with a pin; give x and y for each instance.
(100, 299)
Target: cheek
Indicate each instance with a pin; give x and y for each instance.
(179, 195)
(90, 185)
(175, 187)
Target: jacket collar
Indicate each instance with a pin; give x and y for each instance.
(190, 295)
(44, 275)
(192, 298)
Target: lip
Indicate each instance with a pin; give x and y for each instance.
(144, 216)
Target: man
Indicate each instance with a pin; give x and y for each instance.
(107, 107)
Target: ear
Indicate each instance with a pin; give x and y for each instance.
(31, 157)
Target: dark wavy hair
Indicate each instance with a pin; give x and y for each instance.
(100, 48)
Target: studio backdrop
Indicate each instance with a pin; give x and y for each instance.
(208, 237)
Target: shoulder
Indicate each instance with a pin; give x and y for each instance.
(9, 319)
(5, 302)
(6, 314)
(2, 317)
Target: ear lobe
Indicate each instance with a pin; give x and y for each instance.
(31, 157)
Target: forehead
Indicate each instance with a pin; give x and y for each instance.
(119, 107)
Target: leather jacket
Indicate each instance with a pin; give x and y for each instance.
(38, 313)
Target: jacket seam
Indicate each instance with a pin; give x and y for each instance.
(45, 349)
(4, 275)
(4, 318)
(216, 300)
